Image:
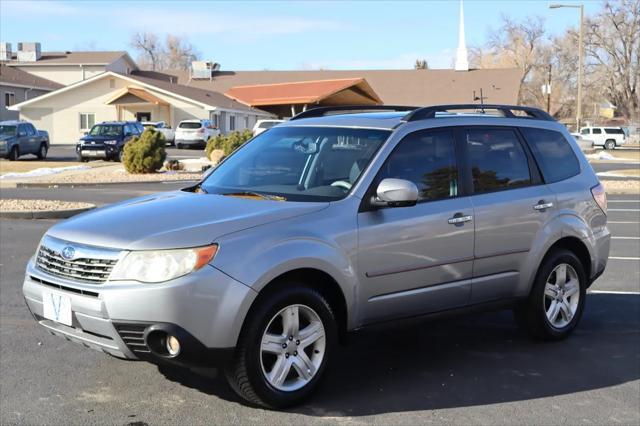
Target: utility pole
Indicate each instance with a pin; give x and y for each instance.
(580, 54)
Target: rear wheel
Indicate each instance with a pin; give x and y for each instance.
(179, 145)
(14, 154)
(284, 348)
(42, 152)
(557, 299)
(610, 144)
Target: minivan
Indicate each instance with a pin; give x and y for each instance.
(335, 221)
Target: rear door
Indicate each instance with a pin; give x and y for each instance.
(412, 260)
(511, 205)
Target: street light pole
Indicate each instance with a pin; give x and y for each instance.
(580, 54)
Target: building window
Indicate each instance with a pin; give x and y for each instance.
(87, 120)
(246, 122)
(9, 99)
(214, 120)
(232, 122)
(112, 83)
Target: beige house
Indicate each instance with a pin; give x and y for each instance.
(70, 67)
(19, 86)
(69, 112)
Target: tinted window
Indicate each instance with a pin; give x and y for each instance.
(31, 131)
(585, 131)
(190, 125)
(428, 159)
(614, 131)
(553, 153)
(497, 160)
(597, 131)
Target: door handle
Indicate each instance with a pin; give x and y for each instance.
(459, 218)
(542, 205)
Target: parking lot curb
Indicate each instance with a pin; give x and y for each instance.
(44, 214)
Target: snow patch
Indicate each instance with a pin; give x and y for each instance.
(44, 171)
(602, 155)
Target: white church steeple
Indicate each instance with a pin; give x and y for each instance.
(462, 62)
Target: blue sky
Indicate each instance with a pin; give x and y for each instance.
(256, 35)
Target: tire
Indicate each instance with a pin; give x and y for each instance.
(42, 152)
(179, 145)
(120, 157)
(247, 373)
(534, 314)
(610, 144)
(14, 154)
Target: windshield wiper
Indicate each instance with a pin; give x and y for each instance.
(254, 194)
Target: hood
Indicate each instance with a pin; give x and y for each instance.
(6, 137)
(174, 220)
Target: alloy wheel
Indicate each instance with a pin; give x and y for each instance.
(561, 295)
(292, 348)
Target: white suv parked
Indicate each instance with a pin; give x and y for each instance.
(194, 132)
(608, 137)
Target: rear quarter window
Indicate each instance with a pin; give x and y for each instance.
(614, 131)
(553, 153)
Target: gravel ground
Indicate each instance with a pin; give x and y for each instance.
(14, 205)
(112, 174)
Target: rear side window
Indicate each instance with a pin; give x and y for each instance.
(428, 159)
(498, 161)
(585, 131)
(597, 131)
(553, 153)
(614, 131)
(190, 125)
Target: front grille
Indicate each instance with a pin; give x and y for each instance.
(132, 336)
(65, 288)
(90, 270)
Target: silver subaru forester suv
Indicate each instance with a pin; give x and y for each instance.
(338, 219)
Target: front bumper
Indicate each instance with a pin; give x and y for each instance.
(97, 151)
(205, 310)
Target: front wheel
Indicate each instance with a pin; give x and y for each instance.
(557, 299)
(14, 154)
(284, 349)
(610, 144)
(42, 152)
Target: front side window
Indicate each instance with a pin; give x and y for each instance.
(497, 159)
(428, 159)
(297, 163)
(553, 153)
(108, 130)
(87, 120)
(597, 131)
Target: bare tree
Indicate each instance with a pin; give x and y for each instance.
(421, 64)
(613, 45)
(149, 49)
(179, 53)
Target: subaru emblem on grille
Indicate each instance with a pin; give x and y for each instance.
(68, 252)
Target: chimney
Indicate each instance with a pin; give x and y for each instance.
(462, 61)
(28, 52)
(5, 51)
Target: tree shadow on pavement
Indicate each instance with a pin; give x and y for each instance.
(476, 360)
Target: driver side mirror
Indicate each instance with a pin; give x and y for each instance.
(395, 193)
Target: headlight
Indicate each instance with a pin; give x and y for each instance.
(110, 142)
(156, 266)
(3, 143)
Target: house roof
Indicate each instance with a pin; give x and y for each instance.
(349, 90)
(16, 77)
(397, 87)
(73, 58)
(205, 98)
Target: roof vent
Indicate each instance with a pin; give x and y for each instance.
(5, 51)
(28, 52)
(204, 69)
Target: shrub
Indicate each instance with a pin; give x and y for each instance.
(145, 154)
(228, 143)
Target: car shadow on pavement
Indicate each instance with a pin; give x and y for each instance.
(476, 360)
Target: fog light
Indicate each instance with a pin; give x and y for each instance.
(173, 345)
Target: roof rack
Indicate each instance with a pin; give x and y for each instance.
(350, 109)
(506, 110)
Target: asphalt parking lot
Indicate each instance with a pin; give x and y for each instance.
(478, 369)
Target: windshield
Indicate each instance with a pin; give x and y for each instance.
(106, 130)
(7, 130)
(298, 163)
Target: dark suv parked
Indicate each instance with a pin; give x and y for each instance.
(106, 140)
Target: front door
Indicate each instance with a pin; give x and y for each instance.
(511, 205)
(412, 260)
(143, 116)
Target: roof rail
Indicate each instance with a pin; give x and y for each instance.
(506, 110)
(352, 109)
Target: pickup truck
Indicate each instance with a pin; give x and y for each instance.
(162, 127)
(19, 138)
